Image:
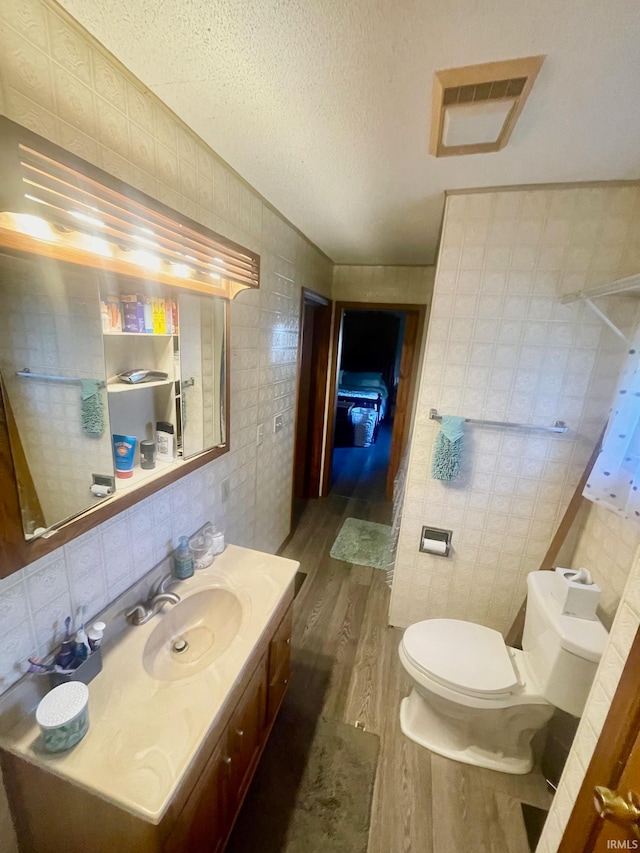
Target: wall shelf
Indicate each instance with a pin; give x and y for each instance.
(144, 475)
(117, 387)
(140, 335)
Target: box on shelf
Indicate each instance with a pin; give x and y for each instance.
(159, 315)
(168, 310)
(114, 313)
(132, 313)
(174, 307)
(148, 314)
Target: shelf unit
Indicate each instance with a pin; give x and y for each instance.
(135, 409)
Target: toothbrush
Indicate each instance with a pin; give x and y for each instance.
(65, 654)
(38, 666)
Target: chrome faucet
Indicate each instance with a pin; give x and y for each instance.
(158, 597)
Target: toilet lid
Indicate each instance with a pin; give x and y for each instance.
(465, 656)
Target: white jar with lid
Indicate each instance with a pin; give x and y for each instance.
(63, 716)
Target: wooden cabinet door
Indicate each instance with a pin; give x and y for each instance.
(279, 665)
(203, 823)
(245, 734)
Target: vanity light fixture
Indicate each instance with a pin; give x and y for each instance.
(52, 203)
(90, 220)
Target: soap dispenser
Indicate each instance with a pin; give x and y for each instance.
(183, 560)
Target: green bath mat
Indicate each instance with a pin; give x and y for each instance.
(365, 543)
(312, 790)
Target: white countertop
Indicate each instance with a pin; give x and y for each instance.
(144, 733)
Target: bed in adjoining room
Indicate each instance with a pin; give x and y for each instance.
(358, 391)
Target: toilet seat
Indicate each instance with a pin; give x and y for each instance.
(462, 656)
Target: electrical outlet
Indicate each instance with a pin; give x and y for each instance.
(259, 434)
(225, 489)
(278, 423)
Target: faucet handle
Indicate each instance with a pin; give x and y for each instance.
(161, 586)
(135, 615)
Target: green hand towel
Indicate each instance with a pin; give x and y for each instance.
(447, 453)
(91, 407)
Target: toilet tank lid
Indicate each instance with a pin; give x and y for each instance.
(469, 657)
(585, 638)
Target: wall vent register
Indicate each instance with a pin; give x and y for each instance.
(475, 108)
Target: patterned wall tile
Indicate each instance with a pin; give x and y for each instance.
(501, 347)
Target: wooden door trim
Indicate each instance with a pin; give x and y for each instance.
(321, 369)
(414, 326)
(400, 439)
(619, 733)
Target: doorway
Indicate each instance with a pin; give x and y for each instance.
(372, 389)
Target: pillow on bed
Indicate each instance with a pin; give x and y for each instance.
(371, 383)
(356, 379)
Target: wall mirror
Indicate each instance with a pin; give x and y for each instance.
(98, 280)
(69, 337)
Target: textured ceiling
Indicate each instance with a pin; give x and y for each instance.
(324, 105)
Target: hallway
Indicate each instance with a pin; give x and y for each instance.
(346, 667)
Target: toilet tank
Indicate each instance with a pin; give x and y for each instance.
(562, 652)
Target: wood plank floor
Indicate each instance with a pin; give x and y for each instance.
(346, 667)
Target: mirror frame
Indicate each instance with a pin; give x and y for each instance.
(15, 551)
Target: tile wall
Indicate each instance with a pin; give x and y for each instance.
(58, 81)
(501, 346)
(606, 544)
(358, 283)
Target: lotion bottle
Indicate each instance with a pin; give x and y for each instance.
(183, 565)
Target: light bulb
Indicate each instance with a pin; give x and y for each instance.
(146, 260)
(181, 270)
(34, 226)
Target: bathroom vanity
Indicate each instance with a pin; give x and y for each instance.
(172, 744)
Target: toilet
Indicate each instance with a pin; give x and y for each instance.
(476, 700)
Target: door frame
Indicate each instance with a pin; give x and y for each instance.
(619, 733)
(320, 368)
(405, 396)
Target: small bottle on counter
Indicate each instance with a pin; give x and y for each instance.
(183, 566)
(164, 441)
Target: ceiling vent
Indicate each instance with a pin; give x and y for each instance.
(475, 108)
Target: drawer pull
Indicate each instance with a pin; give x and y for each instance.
(240, 732)
(227, 760)
(286, 681)
(288, 641)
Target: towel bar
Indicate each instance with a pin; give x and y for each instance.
(559, 426)
(29, 375)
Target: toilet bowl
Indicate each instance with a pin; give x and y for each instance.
(476, 700)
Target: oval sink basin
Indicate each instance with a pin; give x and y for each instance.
(192, 634)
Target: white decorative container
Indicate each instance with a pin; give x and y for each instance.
(63, 716)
